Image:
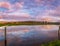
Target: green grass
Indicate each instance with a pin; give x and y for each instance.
(28, 23)
(52, 43)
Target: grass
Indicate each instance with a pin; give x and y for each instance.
(28, 23)
(52, 43)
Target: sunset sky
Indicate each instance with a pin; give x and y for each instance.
(25, 10)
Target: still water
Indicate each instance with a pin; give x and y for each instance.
(27, 35)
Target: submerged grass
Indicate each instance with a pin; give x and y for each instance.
(52, 43)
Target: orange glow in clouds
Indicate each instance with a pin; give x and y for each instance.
(5, 5)
(47, 19)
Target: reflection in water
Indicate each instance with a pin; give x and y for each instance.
(27, 35)
(24, 35)
(2, 37)
(49, 27)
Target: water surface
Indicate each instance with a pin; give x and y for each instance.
(28, 35)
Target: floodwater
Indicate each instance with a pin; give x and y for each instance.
(28, 35)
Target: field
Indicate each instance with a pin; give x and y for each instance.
(28, 23)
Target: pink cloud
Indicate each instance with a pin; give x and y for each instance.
(5, 5)
(49, 15)
(57, 11)
(20, 14)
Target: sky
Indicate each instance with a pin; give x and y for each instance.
(30, 10)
